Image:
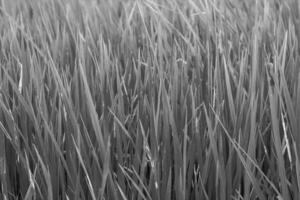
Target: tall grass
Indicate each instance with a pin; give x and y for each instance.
(153, 99)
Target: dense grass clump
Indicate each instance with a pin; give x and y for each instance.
(149, 99)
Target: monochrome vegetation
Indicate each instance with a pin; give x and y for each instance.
(150, 99)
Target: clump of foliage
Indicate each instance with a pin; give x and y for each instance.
(152, 99)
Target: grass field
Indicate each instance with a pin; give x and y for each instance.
(150, 99)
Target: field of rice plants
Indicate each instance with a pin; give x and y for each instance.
(150, 99)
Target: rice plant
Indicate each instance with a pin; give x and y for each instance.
(149, 99)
